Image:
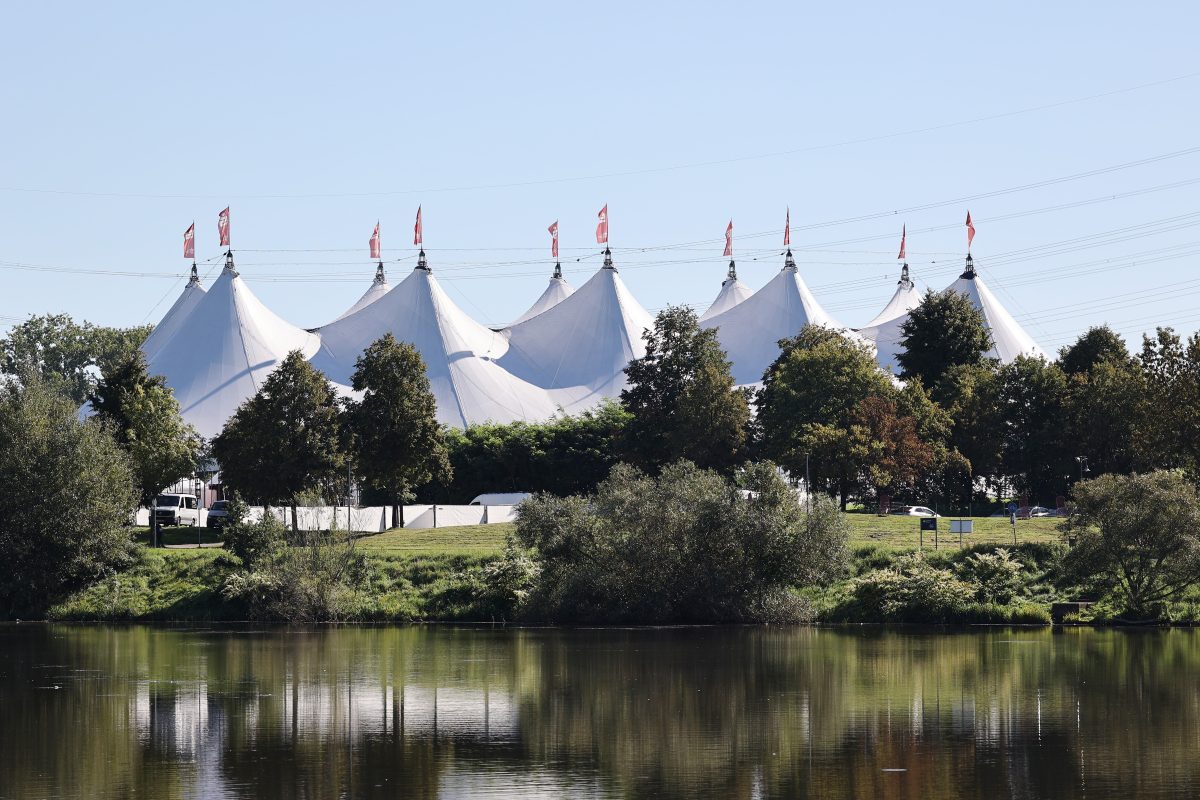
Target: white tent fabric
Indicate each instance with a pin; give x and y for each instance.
(884, 330)
(1010, 339)
(379, 287)
(557, 291)
(468, 385)
(750, 331)
(173, 319)
(223, 350)
(732, 292)
(578, 349)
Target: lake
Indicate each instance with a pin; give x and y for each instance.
(748, 712)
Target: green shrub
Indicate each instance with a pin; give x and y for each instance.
(912, 590)
(996, 576)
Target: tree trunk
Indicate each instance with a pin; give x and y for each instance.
(295, 522)
(396, 521)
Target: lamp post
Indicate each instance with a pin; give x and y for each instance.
(1083, 465)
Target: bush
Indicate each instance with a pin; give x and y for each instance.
(996, 575)
(248, 540)
(686, 546)
(912, 590)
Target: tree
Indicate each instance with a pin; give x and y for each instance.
(398, 443)
(1168, 432)
(1034, 416)
(681, 398)
(972, 394)
(944, 331)
(65, 353)
(286, 439)
(1097, 345)
(143, 415)
(1139, 534)
(1105, 405)
(887, 446)
(67, 494)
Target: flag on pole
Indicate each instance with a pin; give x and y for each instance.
(787, 229)
(553, 229)
(903, 238)
(970, 231)
(223, 226)
(189, 241)
(602, 226)
(375, 242)
(417, 228)
(729, 240)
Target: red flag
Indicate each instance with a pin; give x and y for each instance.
(554, 239)
(729, 240)
(223, 226)
(189, 241)
(417, 228)
(787, 229)
(602, 226)
(970, 231)
(375, 242)
(903, 237)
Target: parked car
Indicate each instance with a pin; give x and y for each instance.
(176, 509)
(914, 511)
(218, 515)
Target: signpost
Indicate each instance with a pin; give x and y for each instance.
(961, 526)
(929, 524)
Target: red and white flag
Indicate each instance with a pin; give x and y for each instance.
(729, 240)
(903, 238)
(223, 226)
(189, 241)
(787, 229)
(970, 231)
(417, 228)
(602, 226)
(553, 239)
(375, 242)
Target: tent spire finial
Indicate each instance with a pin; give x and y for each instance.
(557, 271)
(970, 270)
(904, 279)
(229, 262)
(788, 261)
(608, 262)
(195, 278)
(732, 270)
(379, 276)
(421, 262)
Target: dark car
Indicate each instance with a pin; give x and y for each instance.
(218, 514)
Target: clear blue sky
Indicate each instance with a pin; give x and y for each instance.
(312, 123)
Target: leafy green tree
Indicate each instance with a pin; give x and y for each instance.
(887, 447)
(1139, 535)
(398, 443)
(286, 439)
(1168, 433)
(1095, 346)
(67, 495)
(1034, 415)
(944, 331)
(1105, 406)
(681, 399)
(972, 395)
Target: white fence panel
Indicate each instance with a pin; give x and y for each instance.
(498, 514)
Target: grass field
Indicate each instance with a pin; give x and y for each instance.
(466, 540)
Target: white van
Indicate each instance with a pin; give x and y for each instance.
(176, 509)
(500, 499)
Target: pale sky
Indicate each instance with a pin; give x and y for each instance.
(121, 125)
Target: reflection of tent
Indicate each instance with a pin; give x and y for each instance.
(732, 292)
(557, 291)
(751, 330)
(884, 331)
(169, 324)
(578, 349)
(223, 350)
(1010, 339)
(468, 385)
(379, 287)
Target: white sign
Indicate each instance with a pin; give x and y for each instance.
(962, 526)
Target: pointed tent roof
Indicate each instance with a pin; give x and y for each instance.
(557, 291)
(884, 330)
(379, 287)
(176, 314)
(578, 349)
(750, 331)
(1010, 339)
(732, 292)
(468, 385)
(223, 350)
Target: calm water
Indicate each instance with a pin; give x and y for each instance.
(116, 712)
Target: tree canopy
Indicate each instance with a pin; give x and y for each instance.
(1095, 346)
(944, 331)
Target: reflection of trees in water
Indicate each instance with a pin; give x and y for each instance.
(725, 712)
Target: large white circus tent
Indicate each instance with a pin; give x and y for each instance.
(579, 348)
(458, 352)
(732, 292)
(884, 331)
(378, 288)
(223, 350)
(750, 331)
(1009, 338)
(191, 295)
(556, 291)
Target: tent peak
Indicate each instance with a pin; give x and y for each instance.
(732, 274)
(194, 280)
(608, 262)
(379, 276)
(421, 262)
(557, 271)
(788, 261)
(905, 280)
(229, 266)
(969, 272)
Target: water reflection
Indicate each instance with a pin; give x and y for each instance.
(99, 712)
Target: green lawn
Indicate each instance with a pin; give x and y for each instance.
(177, 535)
(465, 540)
(904, 532)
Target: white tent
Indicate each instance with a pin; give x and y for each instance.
(732, 292)
(557, 291)
(379, 287)
(176, 314)
(1010, 339)
(751, 330)
(578, 349)
(223, 350)
(458, 352)
(884, 331)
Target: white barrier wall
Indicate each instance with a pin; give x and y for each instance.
(373, 519)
